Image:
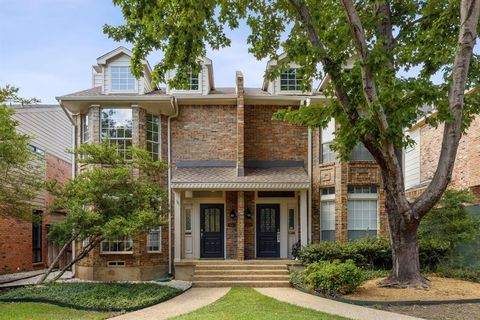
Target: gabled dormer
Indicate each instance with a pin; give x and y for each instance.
(112, 74)
(288, 83)
(201, 83)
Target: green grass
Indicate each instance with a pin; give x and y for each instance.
(248, 304)
(43, 311)
(95, 296)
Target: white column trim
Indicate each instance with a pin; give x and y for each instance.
(303, 218)
(178, 225)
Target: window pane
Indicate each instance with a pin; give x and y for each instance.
(116, 128)
(154, 237)
(121, 245)
(362, 216)
(153, 135)
(289, 81)
(122, 79)
(360, 153)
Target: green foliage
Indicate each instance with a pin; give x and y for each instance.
(112, 198)
(44, 311)
(333, 277)
(96, 296)
(451, 223)
(22, 170)
(368, 252)
(449, 271)
(371, 253)
(297, 278)
(424, 45)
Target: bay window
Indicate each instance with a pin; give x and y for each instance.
(119, 246)
(153, 136)
(116, 129)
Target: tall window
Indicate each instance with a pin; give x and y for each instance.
(361, 153)
(116, 128)
(327, 135)
(85, 126)
(124, 245)
(290, 81)
(37, 237)
(193, 83)
(122, 78)
(327, 214)
(362, 212)
(154, 240)
(153, 136)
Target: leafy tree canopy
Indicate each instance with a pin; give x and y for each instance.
(21, 169)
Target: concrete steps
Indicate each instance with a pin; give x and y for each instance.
(254, 273)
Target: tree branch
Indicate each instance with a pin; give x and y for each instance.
(452, 132)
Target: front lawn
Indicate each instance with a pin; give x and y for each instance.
(43, 311)
(94, 296)
(248, 304)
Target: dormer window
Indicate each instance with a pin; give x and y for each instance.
(290, 81)
(193, 81)
(122, 78)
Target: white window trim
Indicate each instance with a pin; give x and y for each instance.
(135, 89)
(286, 91)
(159, 229)
(159, 143)
(365, 196)
(327, 198)
(200, 84)
(115, 252)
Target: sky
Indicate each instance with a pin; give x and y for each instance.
(48, 47)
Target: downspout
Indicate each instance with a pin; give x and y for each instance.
(174, 104)
(309, 164)
(74, 168)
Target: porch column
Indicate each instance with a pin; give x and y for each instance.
(241, 226)
(303, 218)
(177, 214)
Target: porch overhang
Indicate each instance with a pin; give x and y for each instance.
(225, 178)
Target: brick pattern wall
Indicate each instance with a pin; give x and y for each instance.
(139, 257)
(266, 139)
(466, 172)
(231, 224)
(250, 225)
(204, 133)
(15, 245)
(341, 174)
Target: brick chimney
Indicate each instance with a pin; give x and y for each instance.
(240, 124)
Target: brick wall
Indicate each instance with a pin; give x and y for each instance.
(204, 133)
(250, 225)
(231, 224)
(466, 173)
(266, 139)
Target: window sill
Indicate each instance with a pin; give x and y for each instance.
(154, 251)
(110, 253)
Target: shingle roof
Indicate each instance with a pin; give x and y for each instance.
(255, 178)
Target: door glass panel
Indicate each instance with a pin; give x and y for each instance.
(267, 219)
(212, 220)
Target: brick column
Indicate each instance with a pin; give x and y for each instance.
(341, 200)
(139, 135)
(240, 125)
(241, 226)
(94, 124)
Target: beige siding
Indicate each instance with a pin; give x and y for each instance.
(49, 128)
(412, 161)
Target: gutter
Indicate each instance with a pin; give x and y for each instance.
(74, 166)
(174, 104)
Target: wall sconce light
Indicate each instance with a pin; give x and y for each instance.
(233, 214)
(248, 213)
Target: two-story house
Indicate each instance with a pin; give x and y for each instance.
(23, 244)
(241, 185)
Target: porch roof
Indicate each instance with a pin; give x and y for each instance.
(225, 178)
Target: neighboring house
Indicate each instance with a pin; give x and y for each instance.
(241, 185)
(24, 245)
(421, 159)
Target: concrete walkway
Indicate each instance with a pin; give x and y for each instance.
(309, 301)
(189, 301)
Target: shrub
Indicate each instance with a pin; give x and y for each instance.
(333, 277)
(449, 271)
(372, 253)
(297, 279)
(327, 251)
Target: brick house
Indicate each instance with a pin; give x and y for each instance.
(23, 244)
(241, 186)
(421, 160)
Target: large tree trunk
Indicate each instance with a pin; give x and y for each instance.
(404, 241)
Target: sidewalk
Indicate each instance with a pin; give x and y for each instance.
(30, 277)
(309, 301)
(189, 301)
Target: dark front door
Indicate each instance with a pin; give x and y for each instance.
(268, 230)
(211, 231)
